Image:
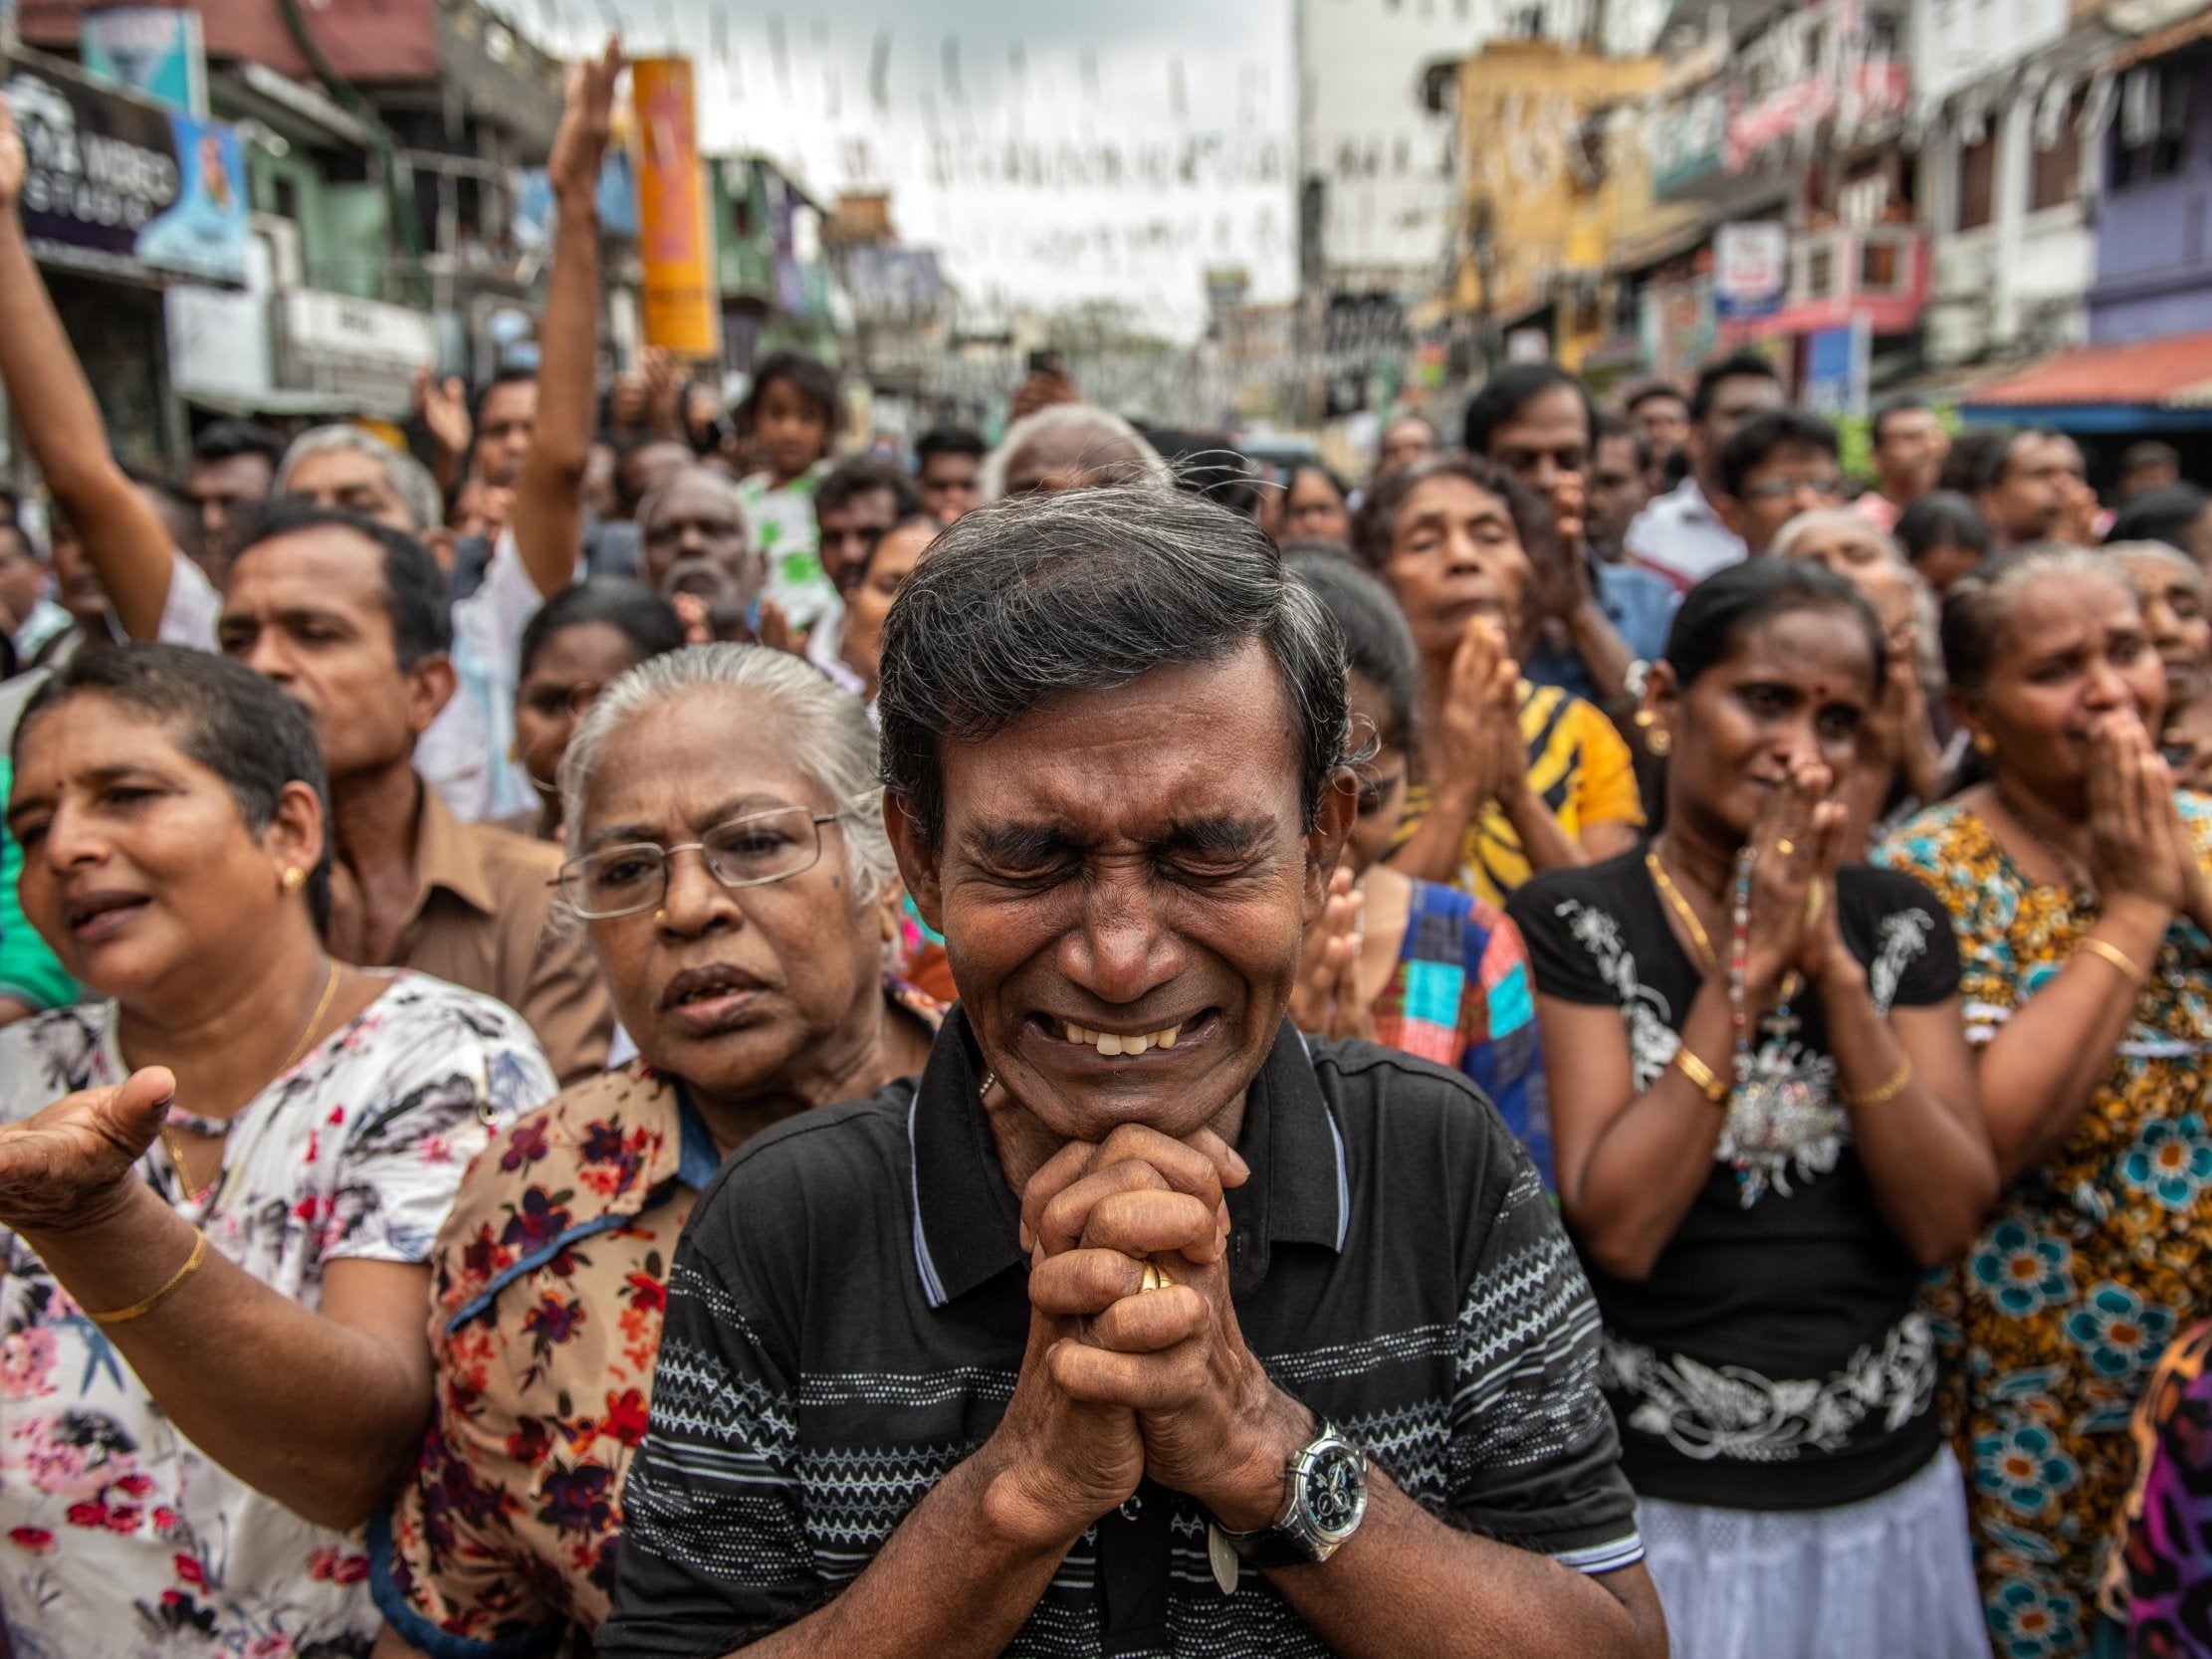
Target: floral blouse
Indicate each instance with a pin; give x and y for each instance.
(2088, 1264)
(119, 1537)
(551, 1280)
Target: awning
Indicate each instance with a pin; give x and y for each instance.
(2168, 381)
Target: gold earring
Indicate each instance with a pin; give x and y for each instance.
(1984, 744)
(1646, 720)
(295, 878)
(1660, 743)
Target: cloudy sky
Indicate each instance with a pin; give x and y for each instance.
(1054, 152)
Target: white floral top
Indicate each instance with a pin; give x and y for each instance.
(120, 1538)
(789, 538)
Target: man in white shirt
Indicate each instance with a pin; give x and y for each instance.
(1681, 536)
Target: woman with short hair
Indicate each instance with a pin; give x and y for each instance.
(729, 860)
(2076, 877)
(212, 1358)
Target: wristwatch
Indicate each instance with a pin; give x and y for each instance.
(1325, 1496)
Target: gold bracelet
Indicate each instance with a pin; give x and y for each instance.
(1701, 1075)
(2119, 958)
(139, 1309)
(1887, 1092)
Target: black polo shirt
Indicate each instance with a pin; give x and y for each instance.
(848, 1308)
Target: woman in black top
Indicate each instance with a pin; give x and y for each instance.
(1766, 1127)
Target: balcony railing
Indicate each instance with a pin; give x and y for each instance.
(1844, 268)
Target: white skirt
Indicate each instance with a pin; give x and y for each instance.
(1890, 1577)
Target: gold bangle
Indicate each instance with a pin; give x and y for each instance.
(2119, 958)
(139, 1309)
(1701, 1075)
(1888, 1091)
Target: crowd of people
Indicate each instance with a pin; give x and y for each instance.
(637, 1029)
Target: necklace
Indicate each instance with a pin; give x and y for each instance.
(1773, 1108)
(1680, 907)
(175, 1147)
(2070, 868)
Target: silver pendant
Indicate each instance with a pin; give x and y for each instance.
(1222, 1554)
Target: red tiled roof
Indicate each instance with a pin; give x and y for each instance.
(2147, 371)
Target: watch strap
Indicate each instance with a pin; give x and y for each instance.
(1291, 1540)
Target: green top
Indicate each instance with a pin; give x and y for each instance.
(28, 969)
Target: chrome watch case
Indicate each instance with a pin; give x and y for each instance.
(1325, 1497)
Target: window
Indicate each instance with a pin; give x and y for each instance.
(1977, 182)
(2055, 174)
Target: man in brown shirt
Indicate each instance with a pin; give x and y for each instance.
(349, 617)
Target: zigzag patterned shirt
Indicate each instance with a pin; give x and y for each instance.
(848, 1308)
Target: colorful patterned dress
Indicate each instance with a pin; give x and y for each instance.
(1459, 995)
(549, 1284)
(2158, 1582)
(2090, 1265)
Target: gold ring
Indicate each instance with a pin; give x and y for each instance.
(1154, 1279)
(1785, 848)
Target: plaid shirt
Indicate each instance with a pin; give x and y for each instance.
(1461, 997)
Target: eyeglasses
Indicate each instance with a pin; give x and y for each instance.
(1782, 489)
(746, 852)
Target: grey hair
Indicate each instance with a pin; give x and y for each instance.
(755, 574)
(1030, 598)
(828, 740)
(409, 478)
(2158, 553)
(1116, 450)
(1927, 657)
(1838, 517)
(1975, 609)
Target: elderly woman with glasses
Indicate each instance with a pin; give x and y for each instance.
(729, 863)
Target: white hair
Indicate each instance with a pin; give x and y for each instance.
(1114, 447)
(826, 734)
(409, 478)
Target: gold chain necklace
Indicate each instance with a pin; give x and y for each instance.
(1680, 907)
(175, 1147)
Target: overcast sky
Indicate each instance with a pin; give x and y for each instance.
(1052, 152)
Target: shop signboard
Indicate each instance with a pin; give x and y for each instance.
(1835, 368)
(360, 352)
(681, 304)
(116, 186)
(1751, 269)
(154, 51)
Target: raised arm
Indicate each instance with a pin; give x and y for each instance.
(62, 425)
(320, 1410)
(549, 496)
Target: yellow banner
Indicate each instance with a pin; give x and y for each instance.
(677, 245)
